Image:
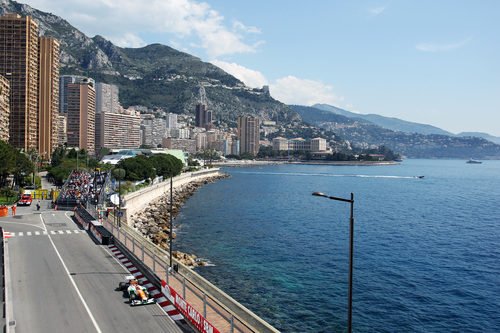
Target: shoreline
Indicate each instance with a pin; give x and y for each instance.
(243, 163)
(153, 222)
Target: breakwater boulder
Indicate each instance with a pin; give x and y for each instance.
(154, 221)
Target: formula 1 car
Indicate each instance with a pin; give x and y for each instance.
(137, 294)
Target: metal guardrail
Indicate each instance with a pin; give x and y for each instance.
(217, 307)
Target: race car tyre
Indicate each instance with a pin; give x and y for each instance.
(122, 285)
(132, 297)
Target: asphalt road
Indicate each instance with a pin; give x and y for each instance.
(62, 281)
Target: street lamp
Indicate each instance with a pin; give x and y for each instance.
(171, 214)
(77, 149)
(119, 173)
(351, 249)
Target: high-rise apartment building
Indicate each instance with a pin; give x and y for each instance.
(106, 97)
(62, 135)
(248, 134)
(19, 63)
(153, 131)
(48, 95)
(203, 116)
(115, 130)
(171, 120)
(81, 116)
(64, 82)
(4, 108)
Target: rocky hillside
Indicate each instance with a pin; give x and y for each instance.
(362, 133)
(393, 124)
(156, 76)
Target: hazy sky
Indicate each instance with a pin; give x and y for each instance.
(434, 62)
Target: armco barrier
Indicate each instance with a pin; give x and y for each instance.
(101, 234)
(84, 224)
(87, 222)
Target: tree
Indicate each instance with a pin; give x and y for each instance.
(8, 164)
(210, 155)
(137, 168)
(58, 155)
(166, 164)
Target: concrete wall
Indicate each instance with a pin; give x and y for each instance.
(139, 200)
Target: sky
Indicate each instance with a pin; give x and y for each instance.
(431, 62)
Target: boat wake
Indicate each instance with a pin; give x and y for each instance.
(328, 175)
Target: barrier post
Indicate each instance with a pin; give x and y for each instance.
(184, 287)
(205, 306)
(232, 323)
(166, 271)
(142, 249)
(154, 263)
(133, 245)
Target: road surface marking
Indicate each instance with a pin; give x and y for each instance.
(37, 233)
(28, 233)
(21, 234)
(98, 329)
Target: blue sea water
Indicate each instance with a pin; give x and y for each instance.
(426, 252)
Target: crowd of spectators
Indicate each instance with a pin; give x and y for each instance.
(82, 187)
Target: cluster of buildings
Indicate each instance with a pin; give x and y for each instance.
(40, 110)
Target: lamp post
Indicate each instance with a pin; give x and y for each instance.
(351, 250)
(119, 173)
(171, 217)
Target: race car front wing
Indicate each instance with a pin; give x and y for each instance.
(135, 302)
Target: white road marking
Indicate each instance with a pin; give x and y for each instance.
(45, 232)
(68, 231)
(37, 233)
(60, 232)
(52, 232)
(98, 329)
(21, 234)
(28, 233)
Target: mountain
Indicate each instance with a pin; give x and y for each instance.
(394, 124)
(365, 134)
(156, 76)
(486, 136)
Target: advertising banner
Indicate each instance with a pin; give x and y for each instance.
(187, 310)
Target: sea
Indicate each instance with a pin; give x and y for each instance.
(426, 250)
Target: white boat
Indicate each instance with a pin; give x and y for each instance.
(471, 161)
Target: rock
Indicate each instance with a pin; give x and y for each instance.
(154, 221)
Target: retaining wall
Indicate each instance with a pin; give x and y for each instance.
(138, 200)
